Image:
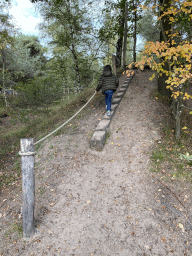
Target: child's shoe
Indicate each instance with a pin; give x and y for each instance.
(108, 112)
(106, 107)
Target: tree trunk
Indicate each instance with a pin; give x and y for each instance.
(119, 52)
(178, 127)
(161, 83)
(125, 37)
(177, 112)
(3, 87)
(165, 31)
(74, 53)
(190, 33)
(76, 66)
(119, 46)
(135, 36)
(114, 64)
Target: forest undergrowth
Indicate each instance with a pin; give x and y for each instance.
(171, 159)
(33, 123)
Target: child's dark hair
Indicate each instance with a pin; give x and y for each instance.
(107, 68)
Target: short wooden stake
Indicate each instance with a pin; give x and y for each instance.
(28, 186)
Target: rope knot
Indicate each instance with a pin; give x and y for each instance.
(27, 153)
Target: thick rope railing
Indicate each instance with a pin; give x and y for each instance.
(28, 177)
(65, 122)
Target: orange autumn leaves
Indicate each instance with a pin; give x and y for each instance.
(178, 73)
(178, 56)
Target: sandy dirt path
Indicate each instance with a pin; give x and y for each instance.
(106, 202)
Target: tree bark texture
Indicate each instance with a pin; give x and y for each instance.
(119, 52)
(114, 64)
(125, 37)
(3, 87)
(161, 83)
(119, 45)
(164, 33)
(135, 36)
(76, 66)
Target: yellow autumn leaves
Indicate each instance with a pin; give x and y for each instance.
(178, 73)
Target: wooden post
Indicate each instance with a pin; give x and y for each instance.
(114, 64)
(28, 186)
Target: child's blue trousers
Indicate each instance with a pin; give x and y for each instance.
(108, 98)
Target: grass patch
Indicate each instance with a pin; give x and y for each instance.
(40, 189)
(108, 134)
(15, 228)
(35, 126)
(166, 156)
(163, 98)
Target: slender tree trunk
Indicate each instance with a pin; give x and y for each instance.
(125, 36)
(119, 46)
(135, 36)
(75, 60)
(76, 66)
(177, 112)
(165, 31)
(190, 33)
(161, 82)
(178, 127)
(3, 87)
(114, 64)
(119, 52)
(68, 5)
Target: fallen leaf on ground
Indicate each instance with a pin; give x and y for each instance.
(163, 239)
(180, 225)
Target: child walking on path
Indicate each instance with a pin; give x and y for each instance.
(108, 84)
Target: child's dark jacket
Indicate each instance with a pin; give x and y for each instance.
(107, 81)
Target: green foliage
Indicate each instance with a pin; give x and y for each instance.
(6, 28)
(21, 61)
(148, 27)
(171, 57)
(114, 12)
(169, 157)
(69, 29)
(38, 125)
(40, 91)
(28, 58)
(186, 157)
